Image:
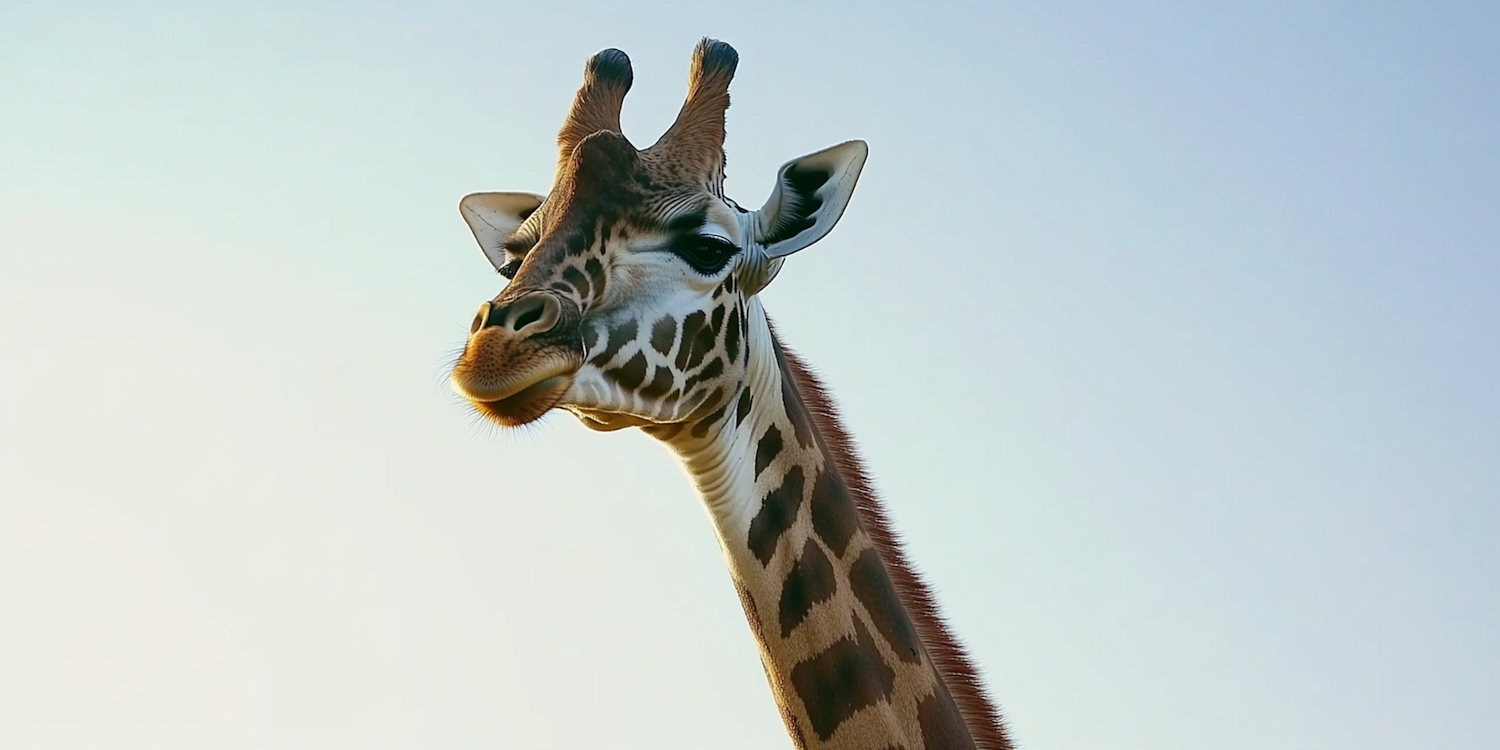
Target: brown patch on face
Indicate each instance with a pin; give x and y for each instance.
(659, 385)
(873, 588)
(712, 370)
(663, 332)
(942, 725)
(702, 341)
(732, 336)
(846, 677)
(767, 449)
(631, 374)
(833, 514)
(810, 582)
(619, 336)
(690, 327)
(776, 515)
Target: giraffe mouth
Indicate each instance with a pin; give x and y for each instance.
(512, 381)
(526, 405)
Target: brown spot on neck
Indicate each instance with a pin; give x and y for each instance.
(810, 582)
(844, 678)
(777, 514)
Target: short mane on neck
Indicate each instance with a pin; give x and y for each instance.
(947, 652)
(834, 606)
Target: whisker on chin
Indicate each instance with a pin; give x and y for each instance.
(483, 427)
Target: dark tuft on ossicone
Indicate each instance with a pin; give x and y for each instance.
(610, 67)
(716, 58)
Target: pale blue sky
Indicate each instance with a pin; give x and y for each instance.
(1169, 333)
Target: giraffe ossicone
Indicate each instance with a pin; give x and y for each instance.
(633, 302)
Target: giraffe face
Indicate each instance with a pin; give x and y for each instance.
(627, 304)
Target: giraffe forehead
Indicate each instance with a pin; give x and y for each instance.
(606, 174)
(573, 224)
(608, 201)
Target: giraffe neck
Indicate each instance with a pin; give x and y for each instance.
(854, 650)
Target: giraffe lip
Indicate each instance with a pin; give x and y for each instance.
(496, 367)
(512, 380)
(527, 404)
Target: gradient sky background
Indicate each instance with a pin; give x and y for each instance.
(1172, 335)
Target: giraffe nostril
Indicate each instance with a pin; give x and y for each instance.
(527, 318)
(533, 314)
(530, 315)
(480, 318)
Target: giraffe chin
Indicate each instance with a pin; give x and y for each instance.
(526, 405)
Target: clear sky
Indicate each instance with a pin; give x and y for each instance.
(1172, 335)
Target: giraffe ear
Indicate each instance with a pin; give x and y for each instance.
(811, 194)
(494, 218)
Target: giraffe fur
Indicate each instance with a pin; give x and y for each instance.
(633, 302)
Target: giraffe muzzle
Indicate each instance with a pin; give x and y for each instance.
(520, 357)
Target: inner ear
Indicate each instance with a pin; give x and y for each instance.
(799, 202)
(494, 218)
(811, 194)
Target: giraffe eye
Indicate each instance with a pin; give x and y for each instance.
(707, 255)
(509, 269)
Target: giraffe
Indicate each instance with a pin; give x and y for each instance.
(632, 302)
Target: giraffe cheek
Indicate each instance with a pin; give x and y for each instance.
(631, 374)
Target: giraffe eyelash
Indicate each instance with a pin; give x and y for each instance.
(707, 254)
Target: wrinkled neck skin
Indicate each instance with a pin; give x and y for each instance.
(722, 465)
(846, 665)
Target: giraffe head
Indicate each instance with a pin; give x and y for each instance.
(629, 281)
